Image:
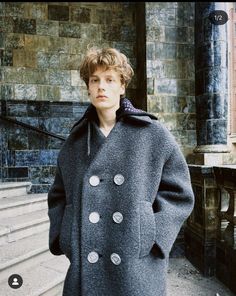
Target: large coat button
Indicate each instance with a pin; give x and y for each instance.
(94, 217)
(119, 179)
(93, 257)
(115, 259)
(117, 217)
(94, 180)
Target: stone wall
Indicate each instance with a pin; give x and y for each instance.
(41, 45)
(27, 155)
(170, 68)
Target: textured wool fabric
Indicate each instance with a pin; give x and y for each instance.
(154, 200)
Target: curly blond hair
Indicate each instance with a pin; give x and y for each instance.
(109, 58)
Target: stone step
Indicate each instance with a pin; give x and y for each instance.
(15, 206)
(44, 279)
(15, 228)
(23, 253)
(11, 189)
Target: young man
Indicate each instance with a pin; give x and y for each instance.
(121, 193)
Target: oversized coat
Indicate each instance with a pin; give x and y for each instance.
(138, 189)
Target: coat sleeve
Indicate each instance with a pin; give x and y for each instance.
(174, 200)
(56, 206)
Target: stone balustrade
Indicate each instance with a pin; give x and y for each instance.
(225, 177)
(210, 233)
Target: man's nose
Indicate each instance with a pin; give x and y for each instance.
(101, 84)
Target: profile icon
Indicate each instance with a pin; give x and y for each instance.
(15, 281)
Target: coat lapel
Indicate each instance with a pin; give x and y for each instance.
(116, 142)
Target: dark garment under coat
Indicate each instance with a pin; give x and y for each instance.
(154, 198)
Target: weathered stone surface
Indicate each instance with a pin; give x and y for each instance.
(161, 17)
(48, 60)
(15, 9)
(91, 32)
(6, 23)
(48, 93)
(37, 43)
(32, 76)
(47, 28)
(20, 172)
(25, 26)
(70, 93)
(112, 33)
(6, 57)
(2, 8)
(58, 13)
(25, 92)
(170, 65)
(185, 14)
(165, 51)
(71, 30)
(176, 34)
(59, 77)
(150, 86)
(211, 78)
(14, 41)
(24, 58)
(128, 33)
(36, 10)
(7, 92)
(185, 51)
(75, 79)
(81, 15)
(18, 141)
(155, 33)
(14, 75)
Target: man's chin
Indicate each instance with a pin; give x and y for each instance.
(101, 104)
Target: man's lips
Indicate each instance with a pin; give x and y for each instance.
(101, 96)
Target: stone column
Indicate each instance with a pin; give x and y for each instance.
(211, 83)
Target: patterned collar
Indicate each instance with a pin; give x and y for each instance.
(126, 110)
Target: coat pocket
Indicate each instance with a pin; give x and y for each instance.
(65, 234)
(147, 228)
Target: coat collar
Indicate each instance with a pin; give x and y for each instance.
(126, 111)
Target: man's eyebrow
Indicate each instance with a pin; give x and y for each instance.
(107, 76)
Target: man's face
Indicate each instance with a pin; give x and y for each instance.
(105, 89)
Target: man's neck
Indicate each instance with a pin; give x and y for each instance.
(107, 118)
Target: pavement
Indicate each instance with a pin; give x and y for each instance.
(185, 280)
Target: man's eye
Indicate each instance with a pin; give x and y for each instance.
(93, 80)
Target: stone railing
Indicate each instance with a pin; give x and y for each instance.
(210, 233)
(225, 177)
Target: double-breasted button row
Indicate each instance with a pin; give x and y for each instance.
(95, 180)
(93, 258)
(94, 217)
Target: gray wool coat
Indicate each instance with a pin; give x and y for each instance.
(118, 227)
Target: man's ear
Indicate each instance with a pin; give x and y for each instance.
(123, 89)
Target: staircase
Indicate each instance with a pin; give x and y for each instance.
(24, 249)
